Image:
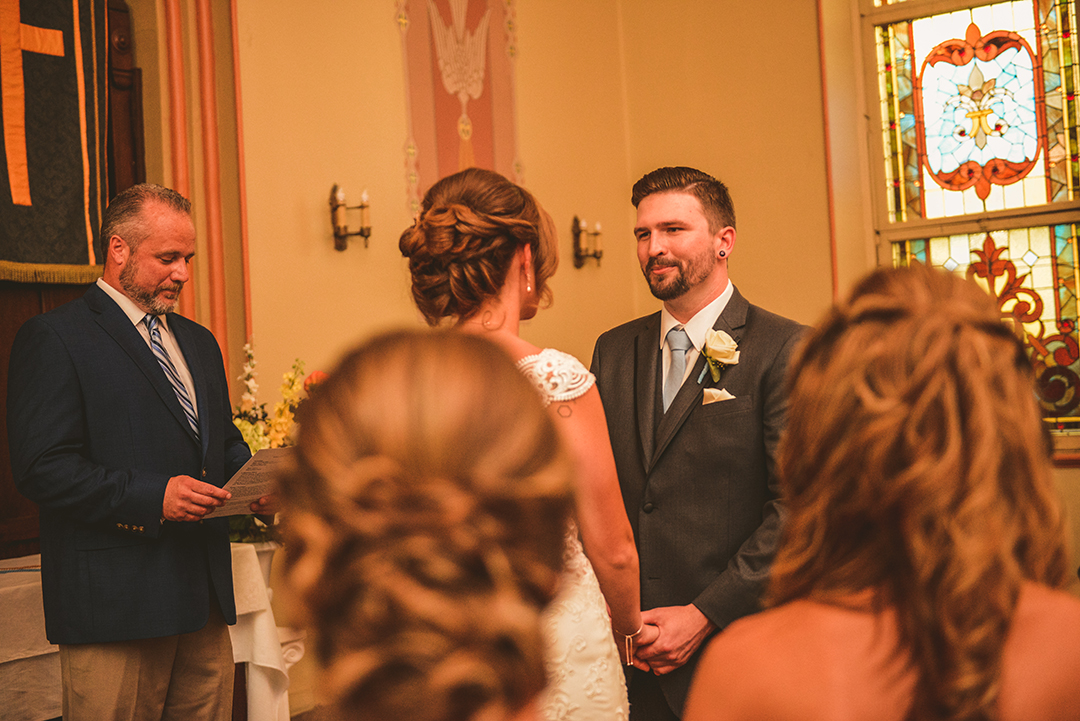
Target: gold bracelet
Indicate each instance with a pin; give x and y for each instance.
(629, 641)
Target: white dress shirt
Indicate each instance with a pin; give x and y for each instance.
(168, 340)
(695, 328)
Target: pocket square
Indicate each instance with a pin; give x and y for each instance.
(712, 395)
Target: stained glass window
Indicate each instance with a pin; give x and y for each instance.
(979, 119)
(1032, 272)
(978, 109)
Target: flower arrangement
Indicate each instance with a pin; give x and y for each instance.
(267, 429)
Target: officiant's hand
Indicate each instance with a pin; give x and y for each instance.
(187, 499)
(682, 630)
(265, 506)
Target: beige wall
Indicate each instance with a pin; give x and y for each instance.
(712, 85)
(1068, 480)
(322, 104)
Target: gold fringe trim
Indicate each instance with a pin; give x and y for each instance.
(49, 273)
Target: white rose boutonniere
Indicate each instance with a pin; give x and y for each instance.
(720, 351)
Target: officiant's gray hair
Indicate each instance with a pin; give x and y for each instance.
(123, 217)
(426, 512)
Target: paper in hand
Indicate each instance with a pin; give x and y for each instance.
(253, 481)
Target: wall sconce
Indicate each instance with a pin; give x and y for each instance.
(582, 235)
(337, 217)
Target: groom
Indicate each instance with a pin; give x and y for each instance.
(695, 456)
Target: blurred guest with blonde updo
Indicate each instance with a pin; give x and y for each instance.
(425, 514)
(480, 255)
(917, 576)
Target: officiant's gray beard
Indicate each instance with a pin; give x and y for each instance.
(690, 274)
(151, 300)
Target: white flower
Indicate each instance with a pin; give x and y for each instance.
(720, 350)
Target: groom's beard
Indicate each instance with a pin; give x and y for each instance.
(690, 273)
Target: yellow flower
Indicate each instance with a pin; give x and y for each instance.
(720, 350)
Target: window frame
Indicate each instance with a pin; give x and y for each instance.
(888, 231)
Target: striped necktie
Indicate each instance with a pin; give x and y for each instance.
(170, 371)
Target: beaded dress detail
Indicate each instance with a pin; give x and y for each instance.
(585, 679)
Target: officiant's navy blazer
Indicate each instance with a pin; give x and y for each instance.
(96, 431)
(699, 482)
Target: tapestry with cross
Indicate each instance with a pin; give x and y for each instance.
(53, 179)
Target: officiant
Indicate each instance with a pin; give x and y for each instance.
(120, 429)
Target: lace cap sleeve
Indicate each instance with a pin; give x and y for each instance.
(559, 376)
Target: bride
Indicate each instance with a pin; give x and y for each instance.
(480, 255)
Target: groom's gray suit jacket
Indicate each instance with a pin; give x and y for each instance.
(699, 482)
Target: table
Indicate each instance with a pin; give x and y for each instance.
(30, 666)
(267, 650)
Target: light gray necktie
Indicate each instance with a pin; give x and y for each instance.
(170, 371)
(678, 342)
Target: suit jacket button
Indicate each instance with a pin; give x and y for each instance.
(204, 473)
(648, 507)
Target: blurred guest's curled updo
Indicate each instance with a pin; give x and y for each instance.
(425, 514)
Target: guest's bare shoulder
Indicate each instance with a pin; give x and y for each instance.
(803, 660)
(751, 669)
(1042, 657)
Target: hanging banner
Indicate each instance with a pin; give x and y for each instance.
(53, 179)
(458, 57)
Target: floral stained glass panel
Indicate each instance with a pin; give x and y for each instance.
(1033, 274)
(979, 109)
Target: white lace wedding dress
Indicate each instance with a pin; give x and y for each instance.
(585, 679)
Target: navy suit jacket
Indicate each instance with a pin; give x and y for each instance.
(96, 431)
(699, 482)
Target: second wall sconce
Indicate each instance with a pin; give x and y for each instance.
(586, 242)
(337, 218)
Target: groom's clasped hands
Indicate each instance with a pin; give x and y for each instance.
(669, 637)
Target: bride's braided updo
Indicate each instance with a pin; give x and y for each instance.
(461, 246)
(425, 513)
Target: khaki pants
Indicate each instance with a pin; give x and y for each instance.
(183, 678)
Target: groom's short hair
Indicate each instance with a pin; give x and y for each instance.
(713, 195)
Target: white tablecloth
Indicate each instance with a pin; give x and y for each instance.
(29, 664)
(255, 639)
(30, 687)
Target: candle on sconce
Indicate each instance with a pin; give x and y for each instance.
(339, 208)
(597, 246)
(365, 221)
